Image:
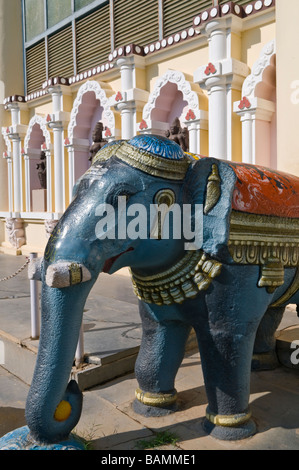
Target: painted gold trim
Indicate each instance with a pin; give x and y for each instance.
(260, 240)
(228, 420)
(156, 399)
(146, 162)
(193, 273)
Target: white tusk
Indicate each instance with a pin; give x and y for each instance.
(66, 274)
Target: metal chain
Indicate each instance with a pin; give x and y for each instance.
(17, 272)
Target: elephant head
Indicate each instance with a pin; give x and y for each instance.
(100, 232)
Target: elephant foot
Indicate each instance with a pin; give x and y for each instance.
(21, 439)
(264, 361)
(155, 404)
(229, 427)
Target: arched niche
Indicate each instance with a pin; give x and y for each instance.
(37, 139)
(90, 106)
(257, 110)
(174, 95)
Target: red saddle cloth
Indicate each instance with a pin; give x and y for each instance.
(259, 190)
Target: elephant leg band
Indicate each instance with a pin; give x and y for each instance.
(156, 399)
(228, 420)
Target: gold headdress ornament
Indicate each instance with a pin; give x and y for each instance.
(154, 155)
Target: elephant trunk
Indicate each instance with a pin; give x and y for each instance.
(53, 405)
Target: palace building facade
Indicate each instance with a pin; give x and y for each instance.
(75, 74)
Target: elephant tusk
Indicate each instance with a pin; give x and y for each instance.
(66, 274)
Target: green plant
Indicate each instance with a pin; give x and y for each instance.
(160, 439)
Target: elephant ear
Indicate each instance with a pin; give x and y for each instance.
(210, 182)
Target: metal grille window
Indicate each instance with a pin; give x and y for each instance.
(36, 66)
(93, 39)
(136, 21)
(60, 53)
(179, 14)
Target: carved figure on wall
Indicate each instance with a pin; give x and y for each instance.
(16, 232)
(42, 170)
(178, 135)
(98, 141)
(248, 249)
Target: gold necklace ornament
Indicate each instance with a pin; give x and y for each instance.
(184, 280)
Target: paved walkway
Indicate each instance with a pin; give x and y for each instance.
(108, 420)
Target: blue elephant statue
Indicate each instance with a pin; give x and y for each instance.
(218, 253)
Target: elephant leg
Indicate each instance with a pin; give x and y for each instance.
(226, 358)
(226, 332)
(264, 354)
(161, 353)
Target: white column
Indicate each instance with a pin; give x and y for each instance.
(58, 121)
(219, 77)
(10, 183)
(27, 183)
(17, 174)
(71, 152)
(59, 179)
(128, 120)
(49, 180)
(247, 139)
(127, 106)
(195, 127)
(256, 115)
(217, 120)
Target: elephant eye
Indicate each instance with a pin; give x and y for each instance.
(164, 196)
(121, 192)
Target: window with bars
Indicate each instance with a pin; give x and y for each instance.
(179, 14)
(93, 39)
(36, 66)
(135, 21)
(60, 53)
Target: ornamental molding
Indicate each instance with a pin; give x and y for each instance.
(91, 85)
(36, 119)
(258, 69)
(7, 153)
(183, 85)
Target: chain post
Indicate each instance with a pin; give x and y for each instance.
(34, 297)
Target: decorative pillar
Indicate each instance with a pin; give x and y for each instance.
(74, 145)
(219, 77)
(57, 121)
(7, 157)
(195, 125)
(256, 115)
(16, 132)
(130, 99)
(27, 182)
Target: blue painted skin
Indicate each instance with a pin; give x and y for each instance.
(226, 317)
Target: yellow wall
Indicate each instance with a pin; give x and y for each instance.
(287, 86)
(253, 41)
(10, 82)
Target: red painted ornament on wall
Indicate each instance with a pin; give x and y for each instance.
(190, 115)
(108, 132)
(244, 103)
(142, 125)
(210, 69)
(119, 96)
